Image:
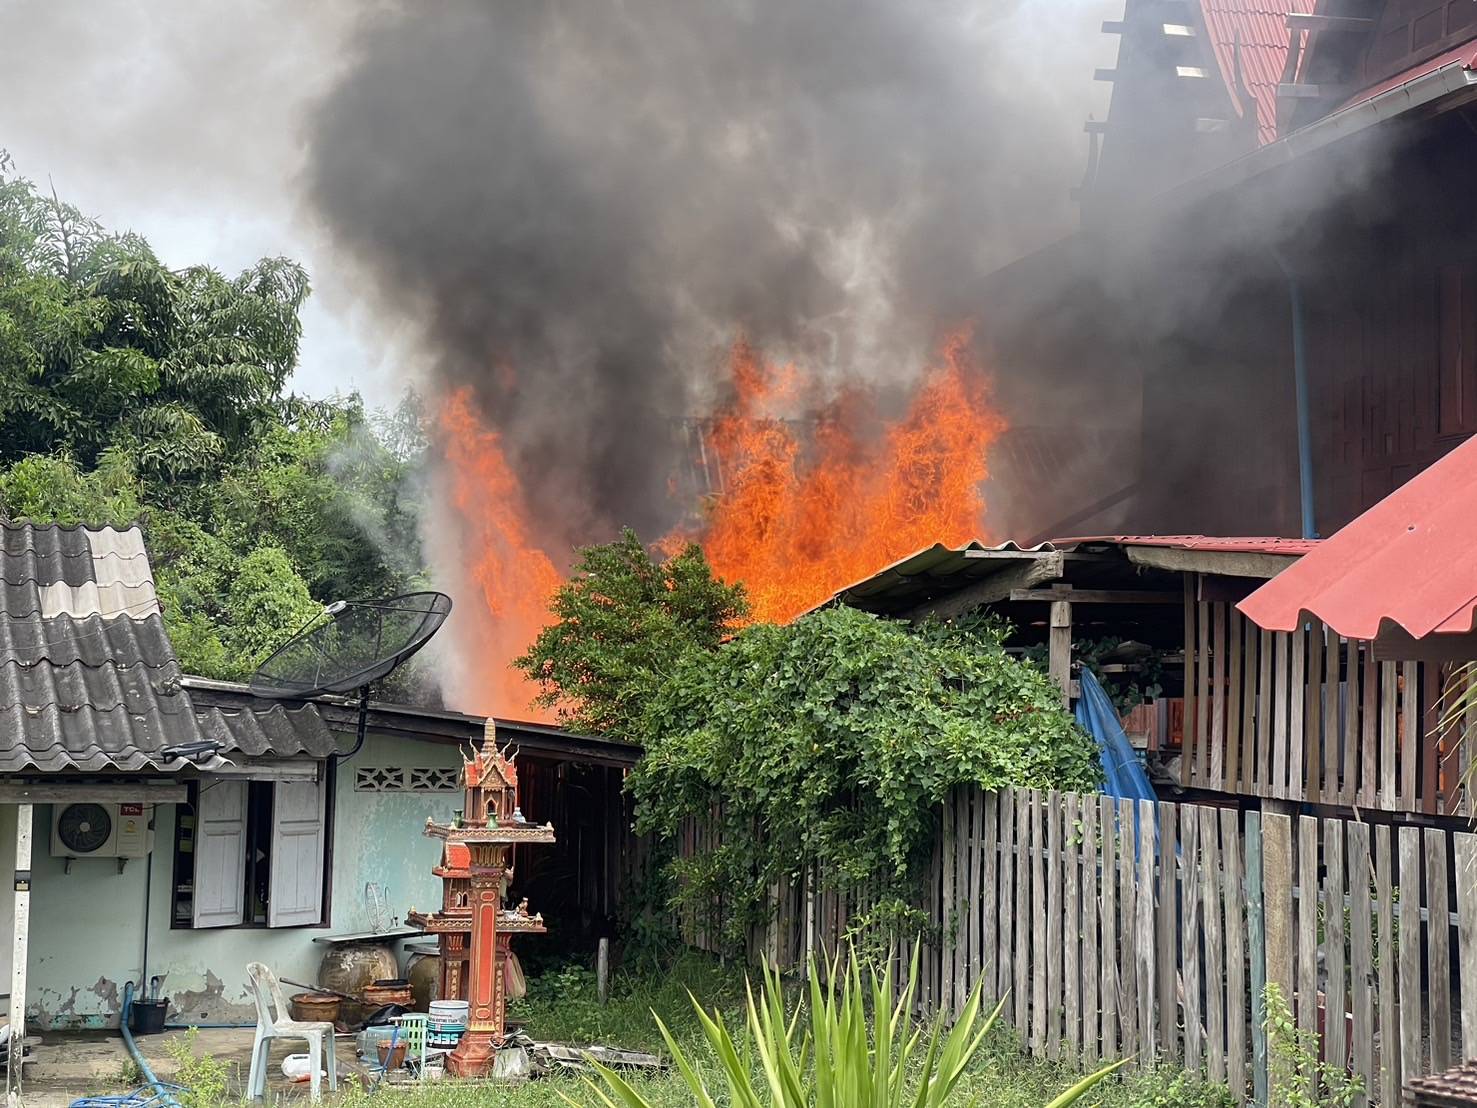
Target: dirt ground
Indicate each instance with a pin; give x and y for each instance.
(67, 1066)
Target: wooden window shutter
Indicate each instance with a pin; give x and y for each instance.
(220, 855)
(299, 840)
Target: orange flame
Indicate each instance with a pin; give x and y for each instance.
(797, 529)
(514, 577)
(800, 513)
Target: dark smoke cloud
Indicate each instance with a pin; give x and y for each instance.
(584, 202)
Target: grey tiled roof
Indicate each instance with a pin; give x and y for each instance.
(88, 677)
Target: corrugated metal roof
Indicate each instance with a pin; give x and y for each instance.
(88, 678)
(1407, 561)
(1257, 31)
(1234, 544)
(933, 572)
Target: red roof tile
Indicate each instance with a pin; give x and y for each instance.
(1408, 561)
(1260, 28)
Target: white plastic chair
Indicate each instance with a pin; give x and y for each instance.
(267, 993)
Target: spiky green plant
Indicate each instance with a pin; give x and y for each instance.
(860, 1048)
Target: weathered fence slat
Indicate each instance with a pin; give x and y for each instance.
(1023, 923)
(1438, 948)
(1336, 991)
(1411, 1001)
(1361, 958)
(1091, 1010)
(1143, 945)
(1388, 1062)
(1190, 939)
(1464, 848)
(1307, 926)
(1004, 946)
(1108, 950)
(1166, 954)
(1039, 955)
(1127, 914)
(1072, 909)
(1236, 1012)
(1256, 935)
(1210, 899)
(1053, 925)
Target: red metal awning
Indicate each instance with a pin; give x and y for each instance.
(1411, 561)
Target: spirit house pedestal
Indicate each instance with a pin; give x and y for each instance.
(473, 927)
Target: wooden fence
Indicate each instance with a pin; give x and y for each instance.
(1306, 715)
(1114, 928)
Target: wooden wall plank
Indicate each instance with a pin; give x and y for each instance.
(1127, 916)
(1256, 948)
(1210, 908)
(1219, 695)
(1438, 947)
(1166, 955)
(1297, 704)
(1306, 1005)
(1190, 938)
(1237, 1013)
(1349, 768)
(1313, 715)
(1108, 950)
(1053, 925)
(1389, 702)
(1202, 698)
(1072, 910)
(1410, 735)
(1464, 850)
(1187, 747)
(1266, 658)
(1411, 1000)
(1361, 958)
(1282, 666)
(1091, 951)
(1335, 990)
(1369, 729)
(1387, 987)
(1039, 955)
(1144, 948)
(1234, 698)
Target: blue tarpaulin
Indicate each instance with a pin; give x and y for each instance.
(1123, 774)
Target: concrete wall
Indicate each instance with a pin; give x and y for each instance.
(87, 927)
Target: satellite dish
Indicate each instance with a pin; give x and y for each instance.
(351, 644)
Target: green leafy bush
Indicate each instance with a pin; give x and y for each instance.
(832, 740)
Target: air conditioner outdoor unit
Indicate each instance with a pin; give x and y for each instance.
(89, 830)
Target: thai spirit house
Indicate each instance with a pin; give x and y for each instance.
(473, 926)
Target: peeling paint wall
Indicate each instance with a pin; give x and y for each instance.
(87, 927)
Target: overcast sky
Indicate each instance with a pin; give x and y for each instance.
(183, 120)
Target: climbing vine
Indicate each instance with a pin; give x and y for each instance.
(831, 740)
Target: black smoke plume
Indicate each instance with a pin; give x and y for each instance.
(583, 202)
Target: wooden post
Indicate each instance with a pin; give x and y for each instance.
(1059, 651)
(18, 951)
(602, 971)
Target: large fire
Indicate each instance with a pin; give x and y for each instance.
(808, 501)
(796, 519)
(513, 578)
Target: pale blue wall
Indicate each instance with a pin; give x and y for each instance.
(87, 926)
